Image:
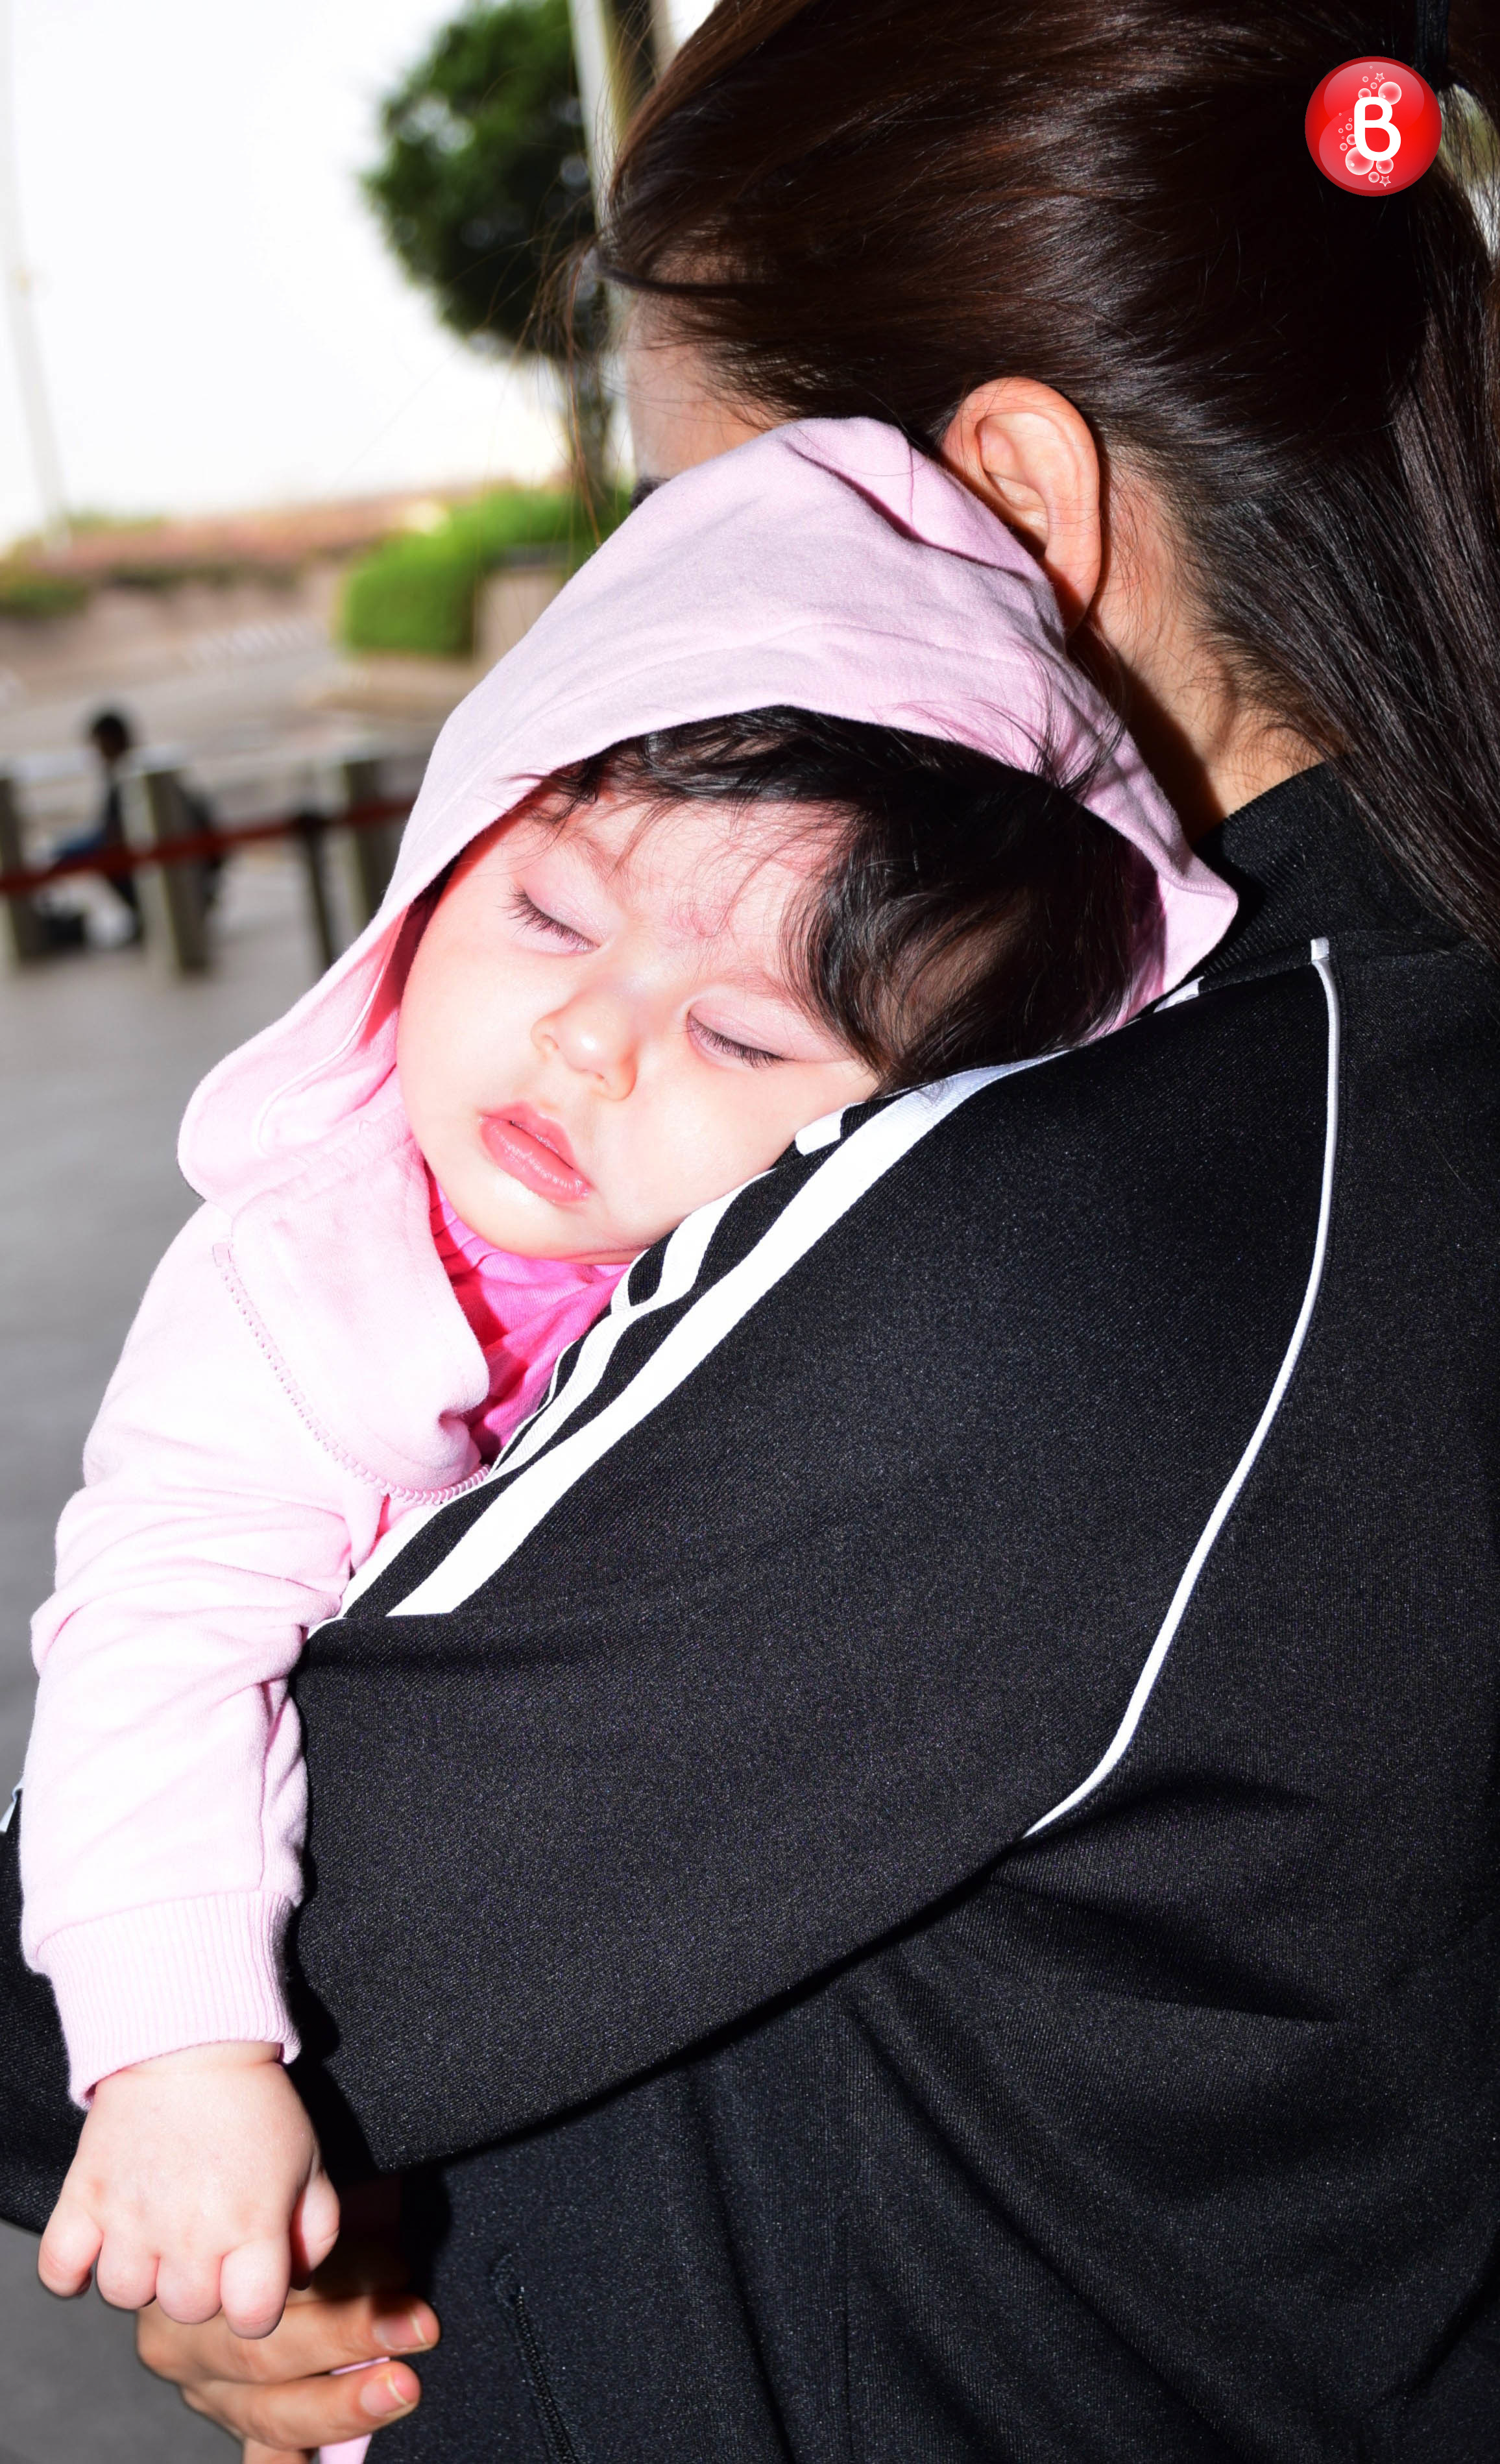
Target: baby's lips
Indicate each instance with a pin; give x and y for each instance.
(535, 1151)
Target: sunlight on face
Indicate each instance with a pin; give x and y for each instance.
(598, 1033)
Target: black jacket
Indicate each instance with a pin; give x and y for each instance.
(945, 1816)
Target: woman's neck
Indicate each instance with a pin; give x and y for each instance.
(1211, 746)
(1212, 757)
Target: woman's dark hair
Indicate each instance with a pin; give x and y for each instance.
(870, 206)
(966, 912)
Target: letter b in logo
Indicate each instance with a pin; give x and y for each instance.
(1373, 126)
(1375, 133)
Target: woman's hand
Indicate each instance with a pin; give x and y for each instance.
(275, 2393)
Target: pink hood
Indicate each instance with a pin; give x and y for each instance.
(825, 565)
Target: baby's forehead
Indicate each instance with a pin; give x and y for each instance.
(701, 869)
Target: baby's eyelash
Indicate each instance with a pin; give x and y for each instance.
(750, 1054)
(525, 910)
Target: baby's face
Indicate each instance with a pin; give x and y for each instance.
(598, 1034)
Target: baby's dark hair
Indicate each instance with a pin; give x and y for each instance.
(969, 914)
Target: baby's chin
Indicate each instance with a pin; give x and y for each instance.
(515, 1218)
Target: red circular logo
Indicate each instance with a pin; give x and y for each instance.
(1373, 126)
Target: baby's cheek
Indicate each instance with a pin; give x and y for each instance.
(742, 1129)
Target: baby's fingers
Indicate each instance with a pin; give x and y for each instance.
(70, 2246)
(315, 2225)
(126, 2273)
(253, 2282)
(188, 2285)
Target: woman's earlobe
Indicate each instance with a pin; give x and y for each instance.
(1030, 454)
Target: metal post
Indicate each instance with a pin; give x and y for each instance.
(174, 910)
(372, 850)
(619, 47)
(311, 831)
(593, 54)
(28, 925)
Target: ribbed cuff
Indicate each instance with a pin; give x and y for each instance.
(156, 1980)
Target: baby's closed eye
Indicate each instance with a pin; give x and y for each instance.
(727, 1048)
(533, 918)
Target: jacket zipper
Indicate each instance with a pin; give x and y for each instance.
(559, 2448)
(555, 2433)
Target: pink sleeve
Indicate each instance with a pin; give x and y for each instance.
(164, 1798)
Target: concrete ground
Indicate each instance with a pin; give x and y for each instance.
(98, 1056)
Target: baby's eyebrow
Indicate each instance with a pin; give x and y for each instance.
(600, 859)
(743, 976)
(688, 924)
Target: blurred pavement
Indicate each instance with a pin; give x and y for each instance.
(99, 1053)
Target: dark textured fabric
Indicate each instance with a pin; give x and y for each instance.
(39, 2124)
(1173, 2131)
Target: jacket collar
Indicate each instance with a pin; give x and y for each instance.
(1305, 867)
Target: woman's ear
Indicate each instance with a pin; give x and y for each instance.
(1025, 451)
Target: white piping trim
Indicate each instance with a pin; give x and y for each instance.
(1157, 1657)
(852, 1168)
(679, 1271)
(825, 1132)
(681, 1265)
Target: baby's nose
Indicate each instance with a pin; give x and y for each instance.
(595, 1034)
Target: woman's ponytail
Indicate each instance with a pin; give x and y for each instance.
(874, 206)
(1397, 678)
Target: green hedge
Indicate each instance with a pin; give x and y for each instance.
(31, 595)
(417, 592)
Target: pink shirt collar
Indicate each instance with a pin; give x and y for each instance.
(524, 1311)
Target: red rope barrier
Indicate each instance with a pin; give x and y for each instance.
(116, 860)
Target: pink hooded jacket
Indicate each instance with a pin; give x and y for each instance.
(301, 1372)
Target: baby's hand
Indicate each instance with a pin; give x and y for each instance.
(197, 2184)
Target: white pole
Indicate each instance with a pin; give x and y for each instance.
(606, 75)
(598, 86)
(15, 275)
(601, 74)
(677, 19)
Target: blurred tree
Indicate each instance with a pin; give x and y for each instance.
(483, 192)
